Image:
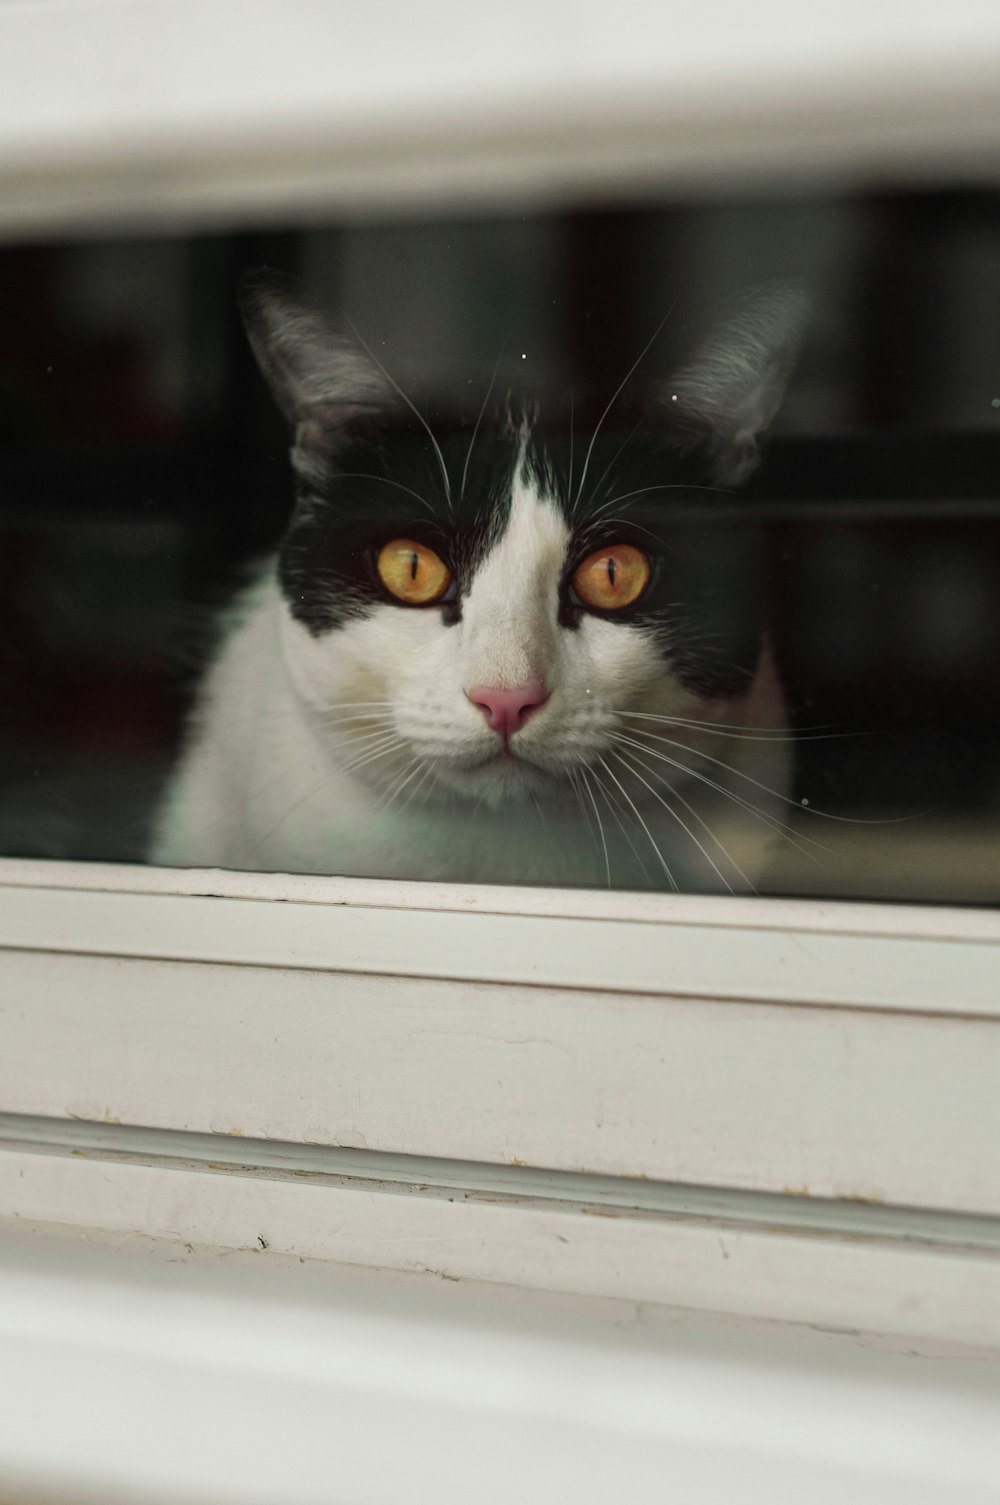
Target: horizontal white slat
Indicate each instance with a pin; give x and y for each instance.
(249, 106)
(166, 1383)
(794, 963)
(839, 1102)
(790, 915)
(737, 1261)
(518, 1186)
(296, 61)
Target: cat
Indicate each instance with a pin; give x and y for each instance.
(497, 647)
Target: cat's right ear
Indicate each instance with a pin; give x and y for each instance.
(324, 384)
(723, 400)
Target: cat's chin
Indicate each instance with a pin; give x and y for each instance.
(499, 781)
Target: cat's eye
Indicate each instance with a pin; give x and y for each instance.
(412, 572)
(612, 578)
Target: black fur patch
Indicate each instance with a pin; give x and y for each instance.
(638, 482)
(388, 483)
(645, 486)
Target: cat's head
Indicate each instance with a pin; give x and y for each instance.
(487, 595)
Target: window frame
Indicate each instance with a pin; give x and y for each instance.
(817, 1145)
(791, 1019)
(227, 113)
(696, 1040)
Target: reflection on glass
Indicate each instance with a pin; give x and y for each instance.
(652, 549)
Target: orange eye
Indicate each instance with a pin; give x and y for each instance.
(413, 573)
(612, 578)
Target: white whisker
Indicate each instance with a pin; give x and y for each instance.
(427, 774)
(290, 810)
(617, 456)
(849, 820)
(597, 817)
(613, 807)
(363, 739)
(739, 733)
(380, 750)
(737, 799)
(345, 705)
(641, 491)
(412, 407)
(683, 824)
(482, 410)
(291, 718)
(364, 475)
(338, 726)
(652, 842)
(618, 391)
(569, 487)
(259, 790)
(610, 522)
(407, 773)
(575, 786)
(359, 722)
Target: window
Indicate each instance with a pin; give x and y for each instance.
(777, 1067)
(145, 466)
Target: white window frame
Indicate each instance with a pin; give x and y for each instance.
(782, 1109)
(768, 1108)
(115, 111)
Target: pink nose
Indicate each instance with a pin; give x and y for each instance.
(506, 711)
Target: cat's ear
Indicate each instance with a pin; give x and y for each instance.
(324, 384)
(731, 389)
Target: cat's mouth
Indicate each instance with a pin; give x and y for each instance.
(502, 776)
(507, 755)
(505, 761)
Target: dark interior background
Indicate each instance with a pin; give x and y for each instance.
(142, 465)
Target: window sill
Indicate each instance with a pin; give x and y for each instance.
(787, 1098)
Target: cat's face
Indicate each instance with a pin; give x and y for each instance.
(478, 603)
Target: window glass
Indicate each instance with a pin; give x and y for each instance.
(654, 547)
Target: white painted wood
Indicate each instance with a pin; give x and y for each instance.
(840, 1102)
(903, 1290)
(221, 108)
(904, 1275)
(495, 1185)
(935, 974)
(839, 917)
(164, 1383)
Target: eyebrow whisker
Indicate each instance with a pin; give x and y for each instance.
(618, 391)
(482, 410)
(411, 405)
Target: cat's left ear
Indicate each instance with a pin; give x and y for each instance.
(730, 391)
(324, 384)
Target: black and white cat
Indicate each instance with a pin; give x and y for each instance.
(493, 648)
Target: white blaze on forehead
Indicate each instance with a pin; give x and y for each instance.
(510, 612)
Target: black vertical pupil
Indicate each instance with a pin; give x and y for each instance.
(611, 569)
(414, 564)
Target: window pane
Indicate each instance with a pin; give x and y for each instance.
(654, 547)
